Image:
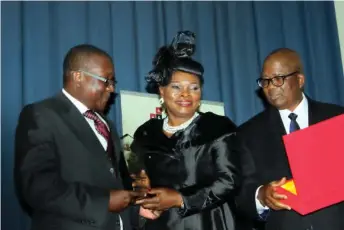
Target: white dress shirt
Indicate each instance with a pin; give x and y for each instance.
(82, 109)
(302, 119)
(302, 115)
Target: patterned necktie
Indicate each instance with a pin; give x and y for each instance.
(100, 127)
(103, 130)
(293, 123)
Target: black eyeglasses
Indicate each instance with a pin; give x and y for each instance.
(277, 81)
(107, 81)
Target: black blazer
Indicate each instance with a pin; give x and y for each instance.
(262, 136)
(62, 171)
(201, 162)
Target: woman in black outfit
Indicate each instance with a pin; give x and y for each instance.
(190, 157)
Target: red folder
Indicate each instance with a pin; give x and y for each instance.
(316, 159)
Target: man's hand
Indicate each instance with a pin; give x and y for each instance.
(141, 181)
(150, 214)
(161, 199)
(268, 197)
(121, 199)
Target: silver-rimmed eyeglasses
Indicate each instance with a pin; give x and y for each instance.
(108, 82)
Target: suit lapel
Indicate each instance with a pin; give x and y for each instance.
(79, 126)
(279, 155)
(313, 116)
(276, 121)
(115, 143)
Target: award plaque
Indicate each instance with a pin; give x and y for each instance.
(132, 158)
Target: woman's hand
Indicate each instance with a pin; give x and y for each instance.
(161, 199)
(150, 214)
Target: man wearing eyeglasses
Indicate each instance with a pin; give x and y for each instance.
(71, 170)
(289, 109)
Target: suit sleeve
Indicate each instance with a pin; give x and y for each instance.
(226, 162)
(39, 175)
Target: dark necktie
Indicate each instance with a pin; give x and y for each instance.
(293, 123)
(101, 129)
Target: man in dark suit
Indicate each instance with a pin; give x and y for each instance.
(282, 82)
(70, 169)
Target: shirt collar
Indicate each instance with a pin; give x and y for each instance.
(80, 106)
(302, 108)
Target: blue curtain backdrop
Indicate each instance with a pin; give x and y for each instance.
(232, 40)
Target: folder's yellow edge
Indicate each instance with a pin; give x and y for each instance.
(290, 186)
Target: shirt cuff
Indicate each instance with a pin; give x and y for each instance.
(260, 208)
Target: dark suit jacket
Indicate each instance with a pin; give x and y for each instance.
(262, 136)
(62, 171)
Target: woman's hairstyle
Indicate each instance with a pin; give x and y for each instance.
(175, 57)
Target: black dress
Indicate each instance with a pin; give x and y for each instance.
(201, 163)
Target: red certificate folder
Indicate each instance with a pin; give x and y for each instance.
(316, 159)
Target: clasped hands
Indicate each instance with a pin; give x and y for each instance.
(268, 196)
(154, 200)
